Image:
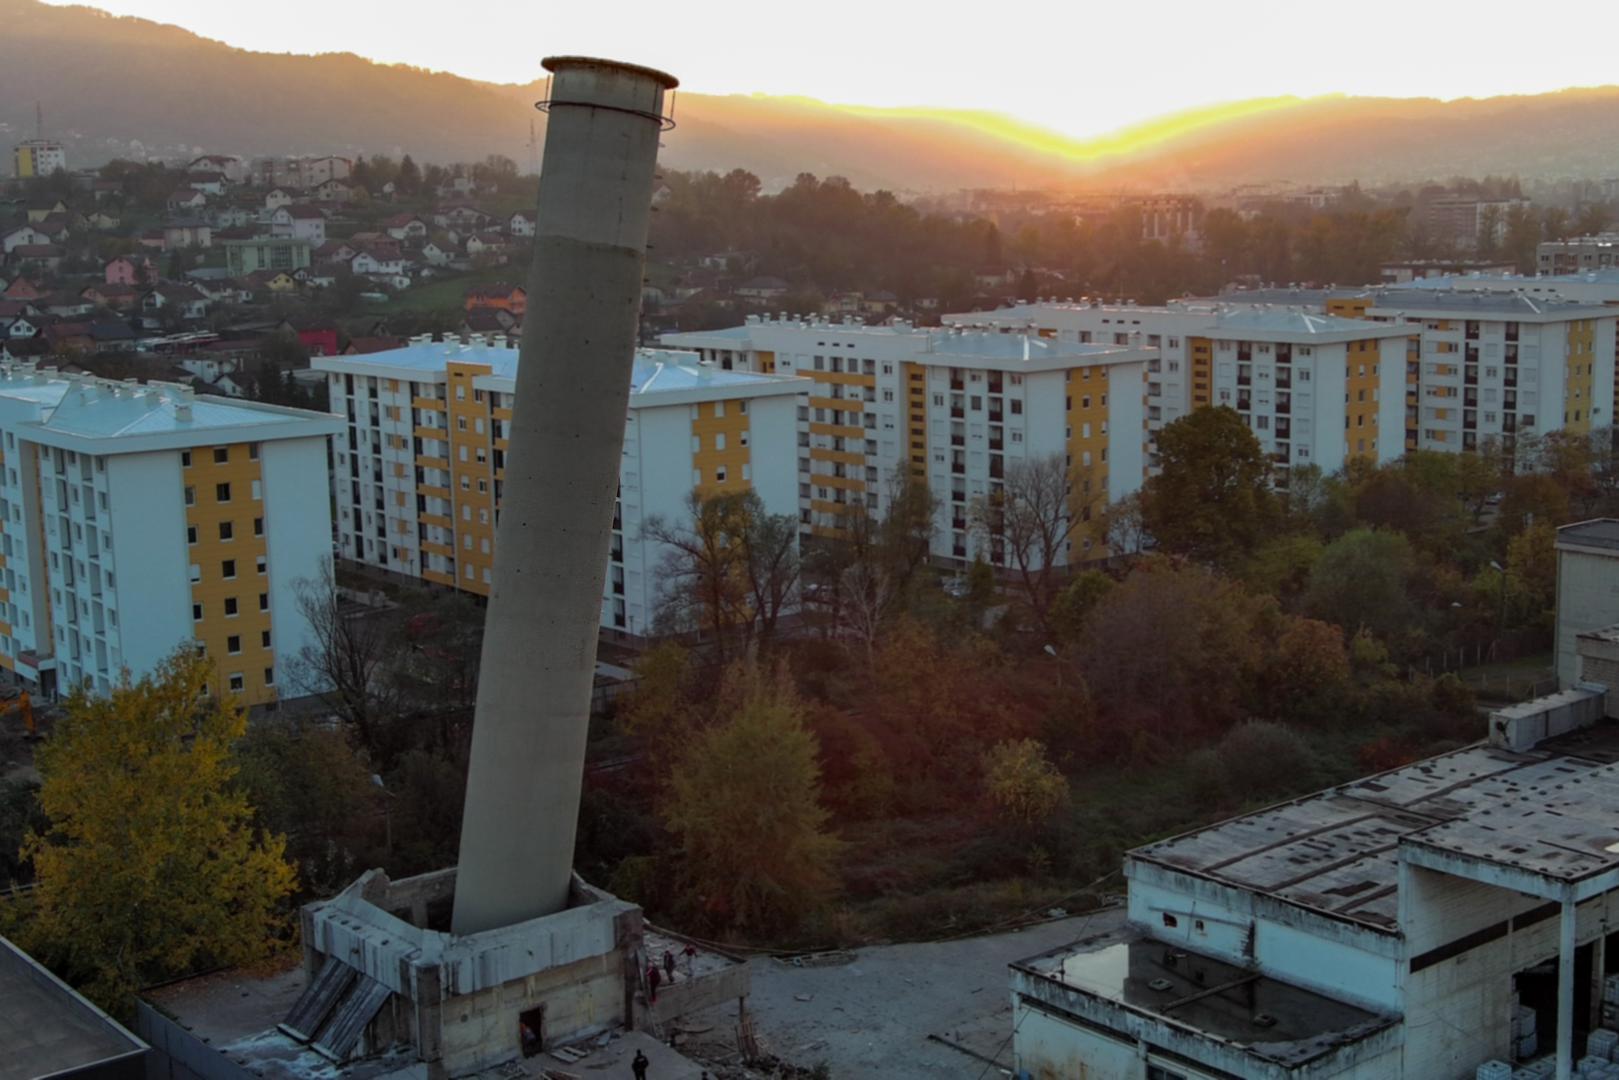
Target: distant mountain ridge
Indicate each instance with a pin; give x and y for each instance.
(104, 80)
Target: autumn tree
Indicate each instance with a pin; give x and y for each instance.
(1362, 580)
(868, 573)
(151, 866)
(1033, 518)
(344, 661)
(745, 812)
(730, 569)
(1021, 784)
(1211, 499)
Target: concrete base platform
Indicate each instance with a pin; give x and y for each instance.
(613, 1061)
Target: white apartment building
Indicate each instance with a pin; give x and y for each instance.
(957, 407)
(1315, 389)
(135, 519)
(1486, 362)
(419, 468)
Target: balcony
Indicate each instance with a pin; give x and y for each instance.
(997, 443)
(995, 416)
(958, 440)
(957, 412)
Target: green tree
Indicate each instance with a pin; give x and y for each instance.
(1076, 602)
(1362, 580)
(1022, 785)
(1211, 499)
(151, 866)
(745, 811)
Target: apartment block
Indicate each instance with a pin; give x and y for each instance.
(1314, 389)
(957, 407)
(1578, 254)
(244, 257)
(421, 460)
(1486, 363)
(138, 518)
(37, 157)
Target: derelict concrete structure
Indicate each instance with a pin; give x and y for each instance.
(567, 434)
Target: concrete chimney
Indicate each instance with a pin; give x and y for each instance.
(567, 433)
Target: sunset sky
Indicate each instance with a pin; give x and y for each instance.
(1079, 67)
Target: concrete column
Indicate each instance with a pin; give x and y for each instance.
(1565, 991)
(567, 435)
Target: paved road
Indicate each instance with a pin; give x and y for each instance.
(871, 1017)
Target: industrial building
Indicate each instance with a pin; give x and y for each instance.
(419, 472)
(1314, 389)
(139, 518)
(958, 407)
(1421, 922)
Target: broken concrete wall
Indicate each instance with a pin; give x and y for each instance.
(581, 999)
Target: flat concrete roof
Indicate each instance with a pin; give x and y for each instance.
(1270, 1019)
(1552, 811)
(46, 1027)
(1598, 532)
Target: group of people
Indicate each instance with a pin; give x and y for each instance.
(656, 977)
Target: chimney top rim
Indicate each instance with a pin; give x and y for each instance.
(556, 63)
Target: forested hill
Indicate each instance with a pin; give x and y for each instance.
(104, 81)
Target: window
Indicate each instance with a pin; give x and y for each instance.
(227, 569)
(191, 496)
(252, 451)
(185, 459)
(230, 607)
(236, 681)
(261, 564)
(258, 526)
(1170, 920)
(719, 474)
(222, 492)
(226, 530)
(233, 645)
(269, 676)
(196, 613)
(191, 534)
(221, 455)
(264, 638)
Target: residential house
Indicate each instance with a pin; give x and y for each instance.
(405, 227)
(434, 255)
(244, 257)
(461, 216)
(21, 236)
(235, 217)
(762, 288)
(21, 289)
(110, 335)
(116, 297)
(499, 296)
(55, 227)
(487, 246)
(378, 260)
(129, 270)
(275, 281)
(151, 239)
(102, 219)
(321, 275)
(231, 167)
(318, 338)
(299, 220)
(66, 305)
(881, 302)
(336, 251)
(185, 301)
(207, 182)
(41, 209)
(190, 232)
(40, 257)
(69, 337)
(333, 191)
(489, 321)
(187, 199)
(24, 326)
(521, 224)
(278, 197)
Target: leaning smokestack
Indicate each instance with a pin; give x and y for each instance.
(566, 436)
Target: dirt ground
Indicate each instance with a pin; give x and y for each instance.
(871, 1016)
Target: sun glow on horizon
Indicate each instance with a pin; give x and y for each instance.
(1080, 81)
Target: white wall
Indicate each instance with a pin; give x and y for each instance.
(150, 562)
(1587, 599)
(773, 451)
(1126, 442)
(1391, 399)
(298, 541)
(664, 486)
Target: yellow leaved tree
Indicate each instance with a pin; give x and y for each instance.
(151, 866)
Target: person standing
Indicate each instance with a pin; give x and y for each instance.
(669, 966)
(653, 978)
(638, 1066)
